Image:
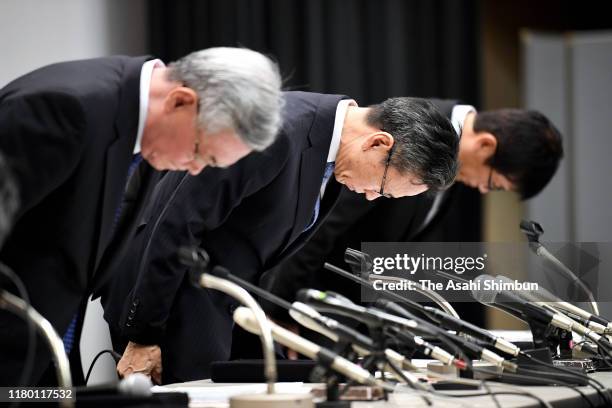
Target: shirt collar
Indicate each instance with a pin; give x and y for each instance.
(458, 116)
(145, 85)
(341, 110)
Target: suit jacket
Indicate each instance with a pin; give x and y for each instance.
(68, 132)
(248, 217)
(353, 220)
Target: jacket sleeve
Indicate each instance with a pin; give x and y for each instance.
(41, 138)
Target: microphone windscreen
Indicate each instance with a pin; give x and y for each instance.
(136, 384)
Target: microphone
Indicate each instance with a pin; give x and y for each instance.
(18, 306)
(135, 385)
(533, 230)
(334, 303)
(244, 317)
(332, 329)
(476, 349)
(531, 310)
(312, 319)
(427, 348)
(458, 325)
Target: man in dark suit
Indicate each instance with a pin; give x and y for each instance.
(72, 132)
(508, 149)
(400, 147)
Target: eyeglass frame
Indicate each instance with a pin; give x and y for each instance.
(381, 192)
(489, 184)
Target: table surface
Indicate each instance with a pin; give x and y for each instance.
(205, 393)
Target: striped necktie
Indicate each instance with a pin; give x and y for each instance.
(329, 170)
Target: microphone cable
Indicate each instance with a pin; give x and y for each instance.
(507, 390)
(116, 357)
(31, 348)
(602, 391)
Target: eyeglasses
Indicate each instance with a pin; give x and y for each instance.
(209, 161)
(490, 186)
(384, 179)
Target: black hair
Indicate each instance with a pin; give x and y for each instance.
(425, 145)
(529, 147)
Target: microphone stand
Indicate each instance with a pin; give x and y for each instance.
(16, 305)
(198, 259)
(533, 230)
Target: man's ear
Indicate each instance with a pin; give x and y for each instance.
(378, 140)
(486, 143)
(181, 98)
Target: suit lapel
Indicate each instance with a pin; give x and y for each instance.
(330, 199)
(309, 189)
(312, 165)
(117, 163)
(119, 154)
(137, 196)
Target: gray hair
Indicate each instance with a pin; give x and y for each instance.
(237, 88)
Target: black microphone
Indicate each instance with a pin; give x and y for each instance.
(452, 323)
(533, 230)
(334, 303)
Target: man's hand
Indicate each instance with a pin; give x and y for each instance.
(141, 359)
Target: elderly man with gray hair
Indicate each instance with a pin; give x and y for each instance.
(73, 134)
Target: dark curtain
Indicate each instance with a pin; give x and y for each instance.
(368, 49)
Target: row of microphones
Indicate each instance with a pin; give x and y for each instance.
(246, 319)
(391, 302)
(336, 304)
(521, 303)
(478, 343)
